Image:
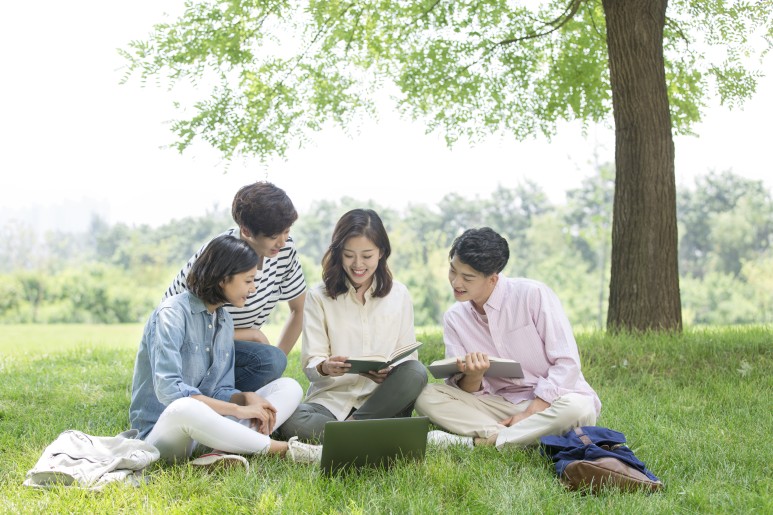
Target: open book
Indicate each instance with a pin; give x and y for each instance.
(499, 367)
(364, 364)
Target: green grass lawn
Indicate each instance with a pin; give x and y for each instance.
(697, 408)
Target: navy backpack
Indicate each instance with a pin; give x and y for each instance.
(590, 458)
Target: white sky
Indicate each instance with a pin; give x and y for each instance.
(72, 136)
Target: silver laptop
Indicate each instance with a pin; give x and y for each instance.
(354, 444)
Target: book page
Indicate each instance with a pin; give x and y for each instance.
(404, 350)
(396, 354)
(367, 363)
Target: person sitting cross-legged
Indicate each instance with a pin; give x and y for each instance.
(518, 319)
(357, 310)
(183, 394)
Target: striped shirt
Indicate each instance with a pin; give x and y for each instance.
(281, 279)
(525, 322)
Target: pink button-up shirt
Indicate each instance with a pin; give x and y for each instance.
(524, 322)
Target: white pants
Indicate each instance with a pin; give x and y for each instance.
(187, 422)
(479, 415)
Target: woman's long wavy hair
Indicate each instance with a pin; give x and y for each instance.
(224, 257)
(357, 222)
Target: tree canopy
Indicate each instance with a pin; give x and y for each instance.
(277, 70)
(271, 71)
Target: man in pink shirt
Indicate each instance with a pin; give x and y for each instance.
(517, 319)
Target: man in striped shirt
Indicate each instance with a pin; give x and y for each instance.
(264, 214)
(517, 319)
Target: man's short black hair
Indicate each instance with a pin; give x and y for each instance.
(264, 209)
(483, 249)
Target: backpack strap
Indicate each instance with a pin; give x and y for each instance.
(582, 436)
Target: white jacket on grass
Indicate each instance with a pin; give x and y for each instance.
(83, 461)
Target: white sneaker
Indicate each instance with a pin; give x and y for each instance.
(220, 460)
(442, 439)
(301, 452)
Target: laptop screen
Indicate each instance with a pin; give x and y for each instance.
(354, 444)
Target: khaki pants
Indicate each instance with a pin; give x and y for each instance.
(466, 414)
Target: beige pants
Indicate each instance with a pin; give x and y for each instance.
(466, 414)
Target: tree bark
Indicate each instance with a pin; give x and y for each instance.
(644, 282)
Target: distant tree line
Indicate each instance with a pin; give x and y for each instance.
(117, 273)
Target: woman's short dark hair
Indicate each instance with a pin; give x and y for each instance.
(357, 222)
(263, 208)
(224, 256)
(482, 249)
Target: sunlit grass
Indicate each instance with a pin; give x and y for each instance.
(695, 407)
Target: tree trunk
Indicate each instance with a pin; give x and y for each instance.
(644, 283)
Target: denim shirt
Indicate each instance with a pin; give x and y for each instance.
(182, 353)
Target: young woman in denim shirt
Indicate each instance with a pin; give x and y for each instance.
(183, 388)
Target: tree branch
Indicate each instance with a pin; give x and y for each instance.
(677, 29)
(323, 30)
(426, 12)
(351, 33)
(556, 24)
(593, 20)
